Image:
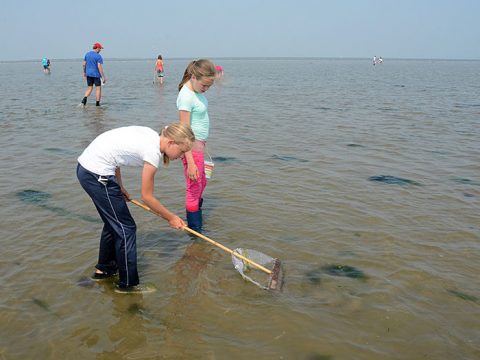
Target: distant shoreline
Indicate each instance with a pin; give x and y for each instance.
(246, 58)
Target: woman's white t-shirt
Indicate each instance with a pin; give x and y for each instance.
(125, 146)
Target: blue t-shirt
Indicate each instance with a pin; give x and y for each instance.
(197, 105)
(45, 62)
(92, 59)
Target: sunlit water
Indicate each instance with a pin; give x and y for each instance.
(297, 145)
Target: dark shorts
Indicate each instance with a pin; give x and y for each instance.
(45, 67)
(93, 80)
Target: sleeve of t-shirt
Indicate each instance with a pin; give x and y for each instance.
(184, 102)
(100, 59)
(152, 159)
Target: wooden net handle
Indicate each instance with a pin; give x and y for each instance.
(186, 228)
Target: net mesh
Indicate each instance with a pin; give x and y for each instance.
(251, 272)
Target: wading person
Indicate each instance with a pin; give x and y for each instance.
(98, 171)
(93, 73)
(193, 109)
(158, 69)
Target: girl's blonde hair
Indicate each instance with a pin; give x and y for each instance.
(199, 68)
(181, 135)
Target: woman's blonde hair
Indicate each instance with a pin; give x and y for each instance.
(199, 68)
(181, 134)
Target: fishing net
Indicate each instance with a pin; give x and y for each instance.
(267, 281)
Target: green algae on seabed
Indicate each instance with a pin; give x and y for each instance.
(355, 145)
(393, 180)
(466, 181)
(344, 270)
(228, 159)
(41, 303)
(40, 199)
(33, 196)
(288, 158)
(463, 295)
(314, 276)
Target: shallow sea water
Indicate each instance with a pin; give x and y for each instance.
(319, 162)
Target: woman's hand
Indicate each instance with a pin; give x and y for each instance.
(125, 193)
(192, 171)
(176, 223)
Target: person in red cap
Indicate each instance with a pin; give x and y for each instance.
(93, 73)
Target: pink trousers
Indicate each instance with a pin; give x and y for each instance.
(194, 188)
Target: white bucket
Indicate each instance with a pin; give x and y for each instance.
(209, 166)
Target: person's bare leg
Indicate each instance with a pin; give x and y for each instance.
(87, 94)
(98, 94)
(89, 91)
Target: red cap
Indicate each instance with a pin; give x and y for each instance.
(97, 46)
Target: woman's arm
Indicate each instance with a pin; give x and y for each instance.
(192, 168)
(118, 176)
(148, 175)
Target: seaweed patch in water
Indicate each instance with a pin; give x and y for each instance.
(314, 276)
(223, 159)
(43, 304)
(288, 158)
(463, 295)
(466, 181)
(344, 270)
(40, 198)
(33, 196)
(388, 179)
(60, 151)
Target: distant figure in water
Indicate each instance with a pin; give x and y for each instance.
(93, 73)
(158, 69)
(46, 65)
(219, 71)
(377, 60)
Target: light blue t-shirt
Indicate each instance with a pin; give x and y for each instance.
(45, 62)
(92, 59)
(197, 105)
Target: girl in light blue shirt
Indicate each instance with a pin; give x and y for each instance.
(193, 109)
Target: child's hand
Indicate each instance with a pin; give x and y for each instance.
(176, 222)
(192, 172)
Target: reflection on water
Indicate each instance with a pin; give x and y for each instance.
(322, 171)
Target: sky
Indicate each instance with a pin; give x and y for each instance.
(63, 29)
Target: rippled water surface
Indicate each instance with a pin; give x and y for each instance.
(364, 181)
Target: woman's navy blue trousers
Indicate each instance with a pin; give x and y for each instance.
(118, 242)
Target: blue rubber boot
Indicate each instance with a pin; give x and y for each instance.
(194, 220)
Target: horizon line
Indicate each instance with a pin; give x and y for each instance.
(246, 58)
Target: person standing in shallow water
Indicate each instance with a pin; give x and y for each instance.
(93, 73)
(46, 65)
(98, 172)
(193, 110)
(158, 69)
